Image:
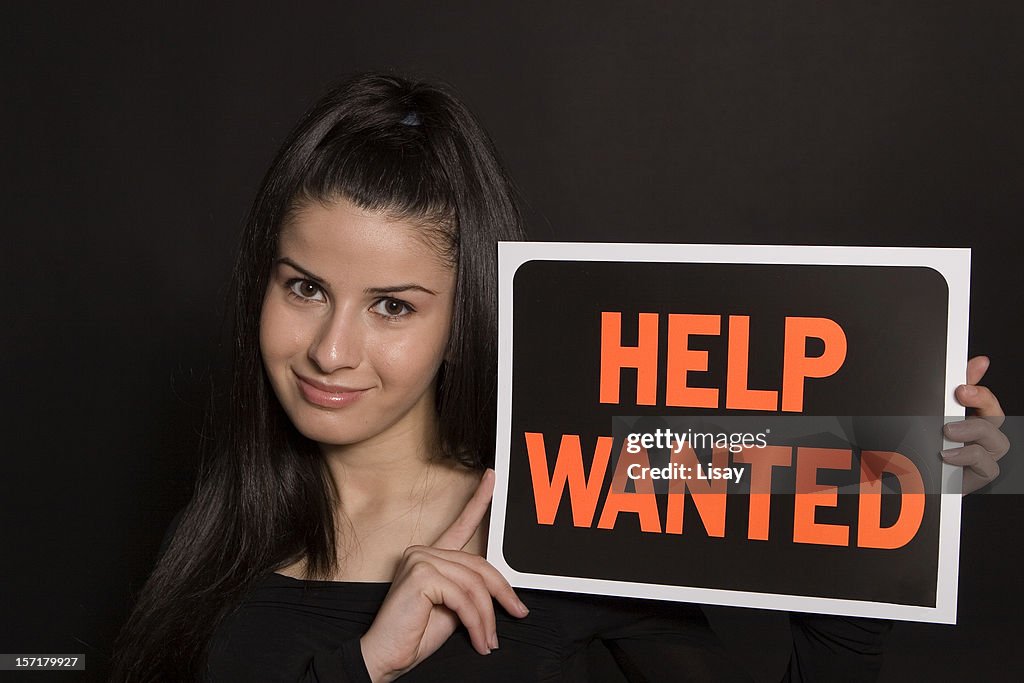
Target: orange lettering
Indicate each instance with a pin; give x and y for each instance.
(709, 497)
(796, 366)
(583, 492)
(643, 357)
(682, 359)
(737, 395)
(811, 495)
(643, 502)
(870, 533)
(762, 460)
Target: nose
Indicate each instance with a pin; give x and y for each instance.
(338, 343)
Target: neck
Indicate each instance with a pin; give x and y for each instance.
(387, 471)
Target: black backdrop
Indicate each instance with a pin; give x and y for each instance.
(134, 140)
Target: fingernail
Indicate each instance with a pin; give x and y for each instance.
(969, 390)
(522, 608)
(950, 452)
(953, 428)
(493, 641)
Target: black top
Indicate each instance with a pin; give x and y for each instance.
(291, 630)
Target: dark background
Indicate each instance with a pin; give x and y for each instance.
(135, 139)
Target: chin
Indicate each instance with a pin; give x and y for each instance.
(329, 435)
(318, 427)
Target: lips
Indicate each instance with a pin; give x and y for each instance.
(327, 395)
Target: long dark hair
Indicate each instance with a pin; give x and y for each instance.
(263, 496)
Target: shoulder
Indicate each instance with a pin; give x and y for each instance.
(295, 570)
(284, 626)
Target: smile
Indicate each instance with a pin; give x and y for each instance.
(326, 395)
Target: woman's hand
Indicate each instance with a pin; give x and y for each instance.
(436, 587)
(983, 443)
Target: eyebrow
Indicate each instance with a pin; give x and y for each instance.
(393, 289)
(287, 261)
(398, 288)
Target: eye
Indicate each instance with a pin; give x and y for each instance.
(305, 290)
(392, 309)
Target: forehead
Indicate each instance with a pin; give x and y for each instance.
(340, 241)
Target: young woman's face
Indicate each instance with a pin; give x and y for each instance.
(354, 325)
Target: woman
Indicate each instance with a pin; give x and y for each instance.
(335, 531)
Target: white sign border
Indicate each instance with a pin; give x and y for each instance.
(954, 266)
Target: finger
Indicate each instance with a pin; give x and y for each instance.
(476, 587)
(496, 584)
(443, 591)
(974, 457)
(973, 482)
(442, 622)
(976, 368)
(983, 401)
(423, 564)
(462, 529)
(429, 582)
(979, 431)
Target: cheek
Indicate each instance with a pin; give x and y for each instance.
(407, 361)
(282, 334)
(412, 361)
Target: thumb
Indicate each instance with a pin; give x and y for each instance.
(456, 536)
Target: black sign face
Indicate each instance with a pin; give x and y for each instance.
(755, 426)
